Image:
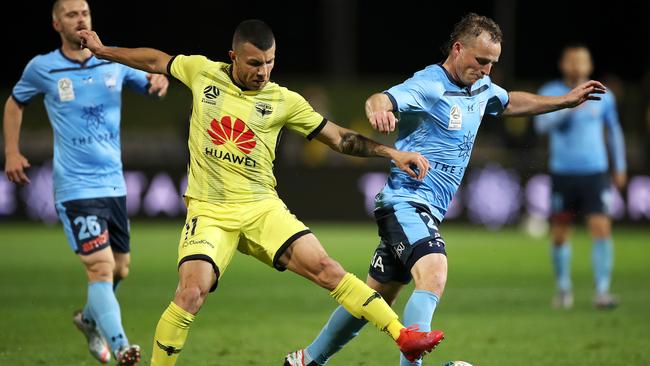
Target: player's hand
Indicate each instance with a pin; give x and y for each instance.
(90, 40)
(584, 92)
(158, 84)
(620, 179)
(383, 121)
(15, 168)
(406, 160)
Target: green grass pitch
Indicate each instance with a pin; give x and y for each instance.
(496, 310)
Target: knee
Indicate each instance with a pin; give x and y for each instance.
(600, 232)
(432, 282)
(191, 297)
(121, 271)
(430, 276)
(329, 273)
(100, 271)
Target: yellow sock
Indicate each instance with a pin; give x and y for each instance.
(171, 332)
(363, 302)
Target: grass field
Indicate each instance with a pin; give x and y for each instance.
(495, 310)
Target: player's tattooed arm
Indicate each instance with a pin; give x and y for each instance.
(353, 143)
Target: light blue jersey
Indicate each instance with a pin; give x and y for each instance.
(577, 134)
(83, 104)
(439, 119)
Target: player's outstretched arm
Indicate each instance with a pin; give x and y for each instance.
(379, 111)
(145, 59)
(350, 142)
(15, 162)
(527, 104)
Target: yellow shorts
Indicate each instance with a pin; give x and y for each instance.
(213, 231)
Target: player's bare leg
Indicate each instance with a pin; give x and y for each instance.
(308, 258)
(600, 227)
(121, 270)
(561, 260)
(430, 276)
(101, 316)
(196, 278)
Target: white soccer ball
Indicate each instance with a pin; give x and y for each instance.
(458, 363)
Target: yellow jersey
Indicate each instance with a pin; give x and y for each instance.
(234, 132)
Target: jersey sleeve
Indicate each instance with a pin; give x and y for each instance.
(302, 118)
(615, 138)
(136, 80)
(185, 68)
(498, 102)
(415, 94)
(29, 85)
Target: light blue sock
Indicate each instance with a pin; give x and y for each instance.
(105, 311)
(419, 311)
(339, 330)
(602, 259)
(561, 255)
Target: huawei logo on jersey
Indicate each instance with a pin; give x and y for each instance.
(237, 132)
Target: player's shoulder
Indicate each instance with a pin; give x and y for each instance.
(199, 60)
(282, 93)
(44, 60)
(432, 78)
(609, 96)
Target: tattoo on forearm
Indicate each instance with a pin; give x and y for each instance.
(358, 145)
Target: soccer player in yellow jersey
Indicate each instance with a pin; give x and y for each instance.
(231, 200)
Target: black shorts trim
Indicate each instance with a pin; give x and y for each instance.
(317, 130)
(203, 257)
(285, 246)
(169, 66)
(423, 247)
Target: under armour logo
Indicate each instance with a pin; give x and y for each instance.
(376, 295)
(400, 248)
(170, 350)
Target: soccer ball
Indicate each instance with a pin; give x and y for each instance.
(457, 363)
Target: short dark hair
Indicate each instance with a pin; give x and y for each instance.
(254, 31)
(472, 25)
(56, 7)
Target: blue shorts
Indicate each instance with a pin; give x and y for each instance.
(577, 195)
(408, 231)
(95, 223)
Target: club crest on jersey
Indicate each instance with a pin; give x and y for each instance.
(66, 90)
(455, 118)
(263, 108)
(110, 80)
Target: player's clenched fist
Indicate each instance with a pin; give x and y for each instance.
(383, 121)
(90, 40)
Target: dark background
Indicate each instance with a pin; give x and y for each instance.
(353, 37)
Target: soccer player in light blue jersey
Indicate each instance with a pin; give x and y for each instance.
(440, 109)
(82, 96)
(581, 184)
